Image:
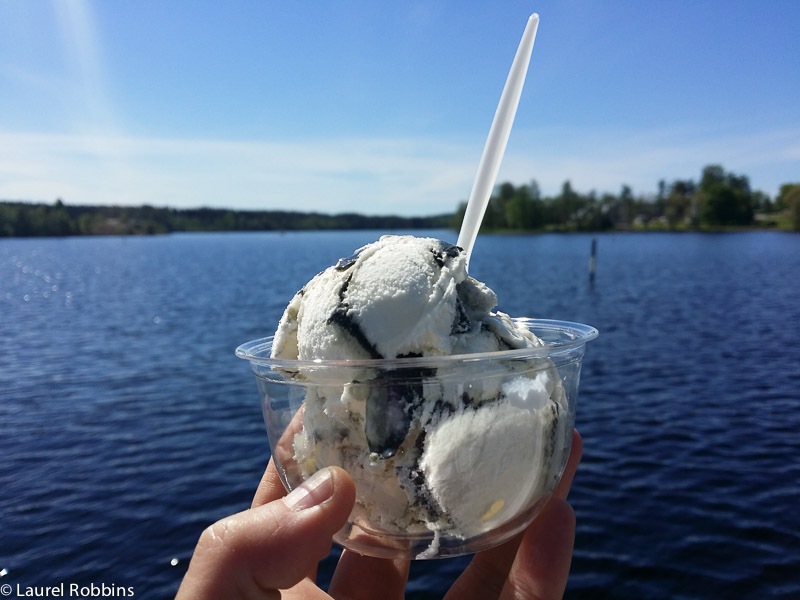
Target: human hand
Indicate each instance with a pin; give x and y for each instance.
(277, 543)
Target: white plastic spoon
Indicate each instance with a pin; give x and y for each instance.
(498, 138)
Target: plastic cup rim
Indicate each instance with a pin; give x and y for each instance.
(576, 335)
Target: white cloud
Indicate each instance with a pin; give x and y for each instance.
(371, 176)
(364, 175)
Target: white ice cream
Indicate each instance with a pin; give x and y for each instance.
(426, 450)
(398, 296)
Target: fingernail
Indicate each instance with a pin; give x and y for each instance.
(312, 492)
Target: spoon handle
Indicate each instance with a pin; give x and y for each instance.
(497, 140)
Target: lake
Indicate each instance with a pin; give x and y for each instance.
(127, 425)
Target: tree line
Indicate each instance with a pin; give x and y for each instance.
(719, 199)
(21, 219)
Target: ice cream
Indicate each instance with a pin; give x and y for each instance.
(427, 451)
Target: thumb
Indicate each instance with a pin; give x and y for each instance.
(254, 552)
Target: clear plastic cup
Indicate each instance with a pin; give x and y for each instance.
(450, 454)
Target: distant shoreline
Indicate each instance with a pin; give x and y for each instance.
(23, 219)
(35, 220)
(719, 202)
(26, 219)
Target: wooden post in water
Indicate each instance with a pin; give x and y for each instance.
(593, 260)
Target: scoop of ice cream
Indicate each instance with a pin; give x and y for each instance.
(480, 464)
(400, 296)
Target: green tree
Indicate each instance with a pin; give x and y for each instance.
(564, 206)
(789, 200)
(8, 220)
(725, 198)
(678, 207)
(626, 203)
(762, 202)
(523, 209)
(58, 221)
(784, 192)
(515, 210)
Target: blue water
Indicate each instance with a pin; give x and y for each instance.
(127, 425)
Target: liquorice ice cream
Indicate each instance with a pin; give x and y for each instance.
(429, 448)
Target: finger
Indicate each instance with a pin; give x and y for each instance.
(575, 453)
(270, 487)
(541, 567)
(486, 573)
(360, 577)
(255, 552)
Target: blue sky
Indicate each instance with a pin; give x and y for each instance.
(384, 108)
